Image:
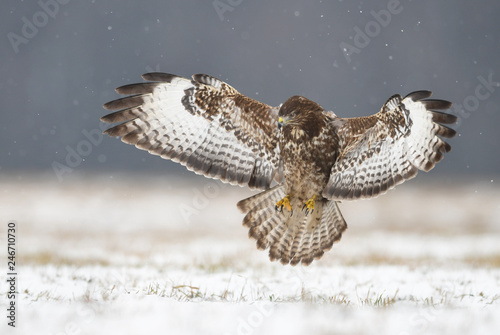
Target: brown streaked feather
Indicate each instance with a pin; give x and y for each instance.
(159, 77)
(141, 88)
(418, 95)
(128, 102)
(445, 118)
(436, 104)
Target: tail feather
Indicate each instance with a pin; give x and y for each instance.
(307, 246)
(282, 249)
(275, 236)
(292, 239)
(268, 227)
(299, 238)
(260, 223)
(262, 199)
(278, 251)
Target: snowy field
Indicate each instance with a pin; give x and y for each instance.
(136, 255)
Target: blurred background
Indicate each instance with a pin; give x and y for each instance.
(61, 60)
(83, 201)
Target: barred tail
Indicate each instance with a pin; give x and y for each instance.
(296, 238)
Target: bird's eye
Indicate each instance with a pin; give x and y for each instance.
(292, 114)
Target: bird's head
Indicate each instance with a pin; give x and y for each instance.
(299, 112)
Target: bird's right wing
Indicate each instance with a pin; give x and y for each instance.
(204, 124)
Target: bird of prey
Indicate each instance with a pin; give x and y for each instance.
(304, 159)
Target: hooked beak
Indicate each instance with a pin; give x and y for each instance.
(282, 122)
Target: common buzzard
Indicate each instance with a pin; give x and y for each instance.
(314, 157)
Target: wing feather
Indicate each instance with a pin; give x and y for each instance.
(203, 123)
(380, 151)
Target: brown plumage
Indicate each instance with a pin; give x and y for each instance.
(314, 157)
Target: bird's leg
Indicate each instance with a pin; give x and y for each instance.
(309, 205)
(285, 202)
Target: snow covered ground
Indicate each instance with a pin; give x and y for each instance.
(133, 254)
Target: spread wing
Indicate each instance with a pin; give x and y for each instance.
(380, 151)
(204, 124)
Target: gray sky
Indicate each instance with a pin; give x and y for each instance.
(60, 62)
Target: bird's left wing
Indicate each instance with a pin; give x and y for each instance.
(378, 152)
(203, 123)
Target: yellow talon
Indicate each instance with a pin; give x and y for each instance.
(309, 205)
(285, 202)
